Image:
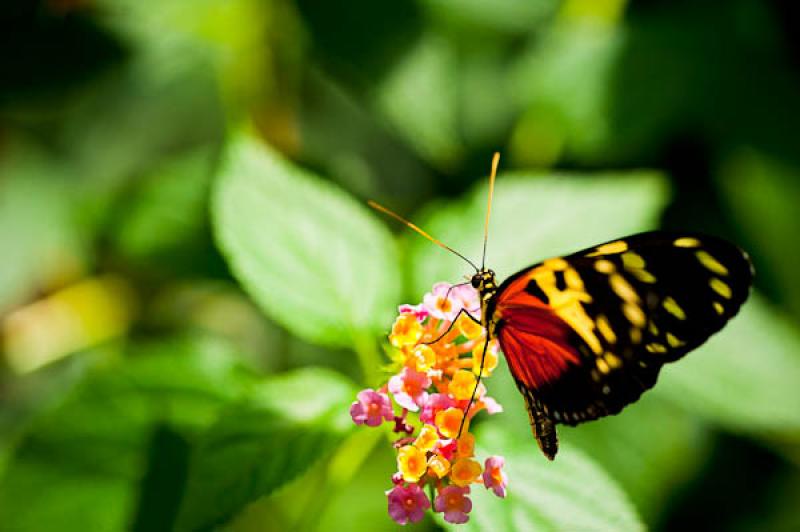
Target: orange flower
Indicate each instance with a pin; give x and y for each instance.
(422, 358)
(465, 471)
(449, 421)
(466, 445)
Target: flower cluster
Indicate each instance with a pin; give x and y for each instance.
(436, 364)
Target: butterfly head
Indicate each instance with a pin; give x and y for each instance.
(484, 281)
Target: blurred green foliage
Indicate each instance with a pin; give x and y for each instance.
(192, 289)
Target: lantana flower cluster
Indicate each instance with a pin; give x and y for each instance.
(425, 400)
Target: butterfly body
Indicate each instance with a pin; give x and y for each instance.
(586, 334)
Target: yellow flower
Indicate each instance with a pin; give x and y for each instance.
(462, 385)
(489, 364)
(438, 465)
(422, 358)
(411, 463)
(449, 421)
(406, 331)
(465, 471)
(427, 438)
(466, 445)
(469, 328)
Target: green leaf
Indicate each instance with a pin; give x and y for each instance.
(503, 16)
(168, 208)
(535, 216)
(565, 80)
(420, 98)
(314, 259)
(80, 465)
(745, 378)
(570, 493)
(651, 448)
(290, 422)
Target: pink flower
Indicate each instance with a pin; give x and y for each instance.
(494, 478)
(372, 408)
(417, 310)
(407, 504)
(455, 504)
(492, 406)
(409, 388)
(439, 304)
(436, 403)
(468, 298)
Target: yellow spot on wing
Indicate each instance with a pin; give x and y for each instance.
(652, 328)
(622, 288)
(719, 308)
(635, 314)
(557, 264)
(710, 262)
(632, 261)
(612, 360)
(654, 347)
(605, 329)
(602, 365)
(604, 266)
(573, 279)
(719, 286)
(643, 275)
(673, 308)
(636, 335)
(612, 247)
(687, 242)
(674, 341)
(566, 304)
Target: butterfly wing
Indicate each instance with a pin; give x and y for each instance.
(587, 334)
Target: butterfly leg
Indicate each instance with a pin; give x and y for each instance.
(452, 324)
(544, 430)
(477, 383)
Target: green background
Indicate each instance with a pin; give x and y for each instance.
(192, 289)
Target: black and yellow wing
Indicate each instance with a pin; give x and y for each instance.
(587, 333)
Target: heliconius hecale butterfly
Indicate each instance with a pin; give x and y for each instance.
(586, 334)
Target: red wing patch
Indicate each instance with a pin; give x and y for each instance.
(535, 342)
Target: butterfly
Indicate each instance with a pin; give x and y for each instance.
(586, 334)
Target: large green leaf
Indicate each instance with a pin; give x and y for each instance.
(535, 216)
(651, 448)
(746, 378)
(313, 258)
(290, 422)
(79, 466)
(420, 98)
(570, 493)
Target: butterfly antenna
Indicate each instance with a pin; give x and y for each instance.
(410, 225)
(495, 163)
